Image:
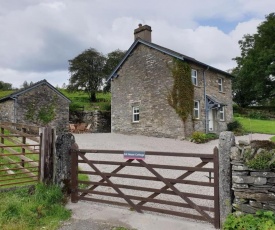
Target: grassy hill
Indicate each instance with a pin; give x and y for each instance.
(80, 99)
(5, 93)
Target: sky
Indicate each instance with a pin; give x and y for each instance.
(38, 37)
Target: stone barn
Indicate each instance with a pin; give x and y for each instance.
(142, 85)
(39, 104)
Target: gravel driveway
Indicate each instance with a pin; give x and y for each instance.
(112, 141)
(143, 143)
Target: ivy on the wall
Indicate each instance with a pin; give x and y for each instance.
(181, 96)
(42, 114)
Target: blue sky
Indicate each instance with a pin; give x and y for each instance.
(38, 37)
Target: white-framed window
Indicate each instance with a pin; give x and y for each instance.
(194, 75)
(135, 114)
(222, 117)
(220, 84)
(196, 114)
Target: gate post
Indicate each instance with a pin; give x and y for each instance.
(46, 154)
(226, 141)
(63, 160)
(74, 179)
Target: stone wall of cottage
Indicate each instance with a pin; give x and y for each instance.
(252, 189)
(100, 120)
(144, 80)
(31, 102)
(7, 111)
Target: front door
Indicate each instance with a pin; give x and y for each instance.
(211, 120)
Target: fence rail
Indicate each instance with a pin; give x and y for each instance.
(110, 182)
(19, 154)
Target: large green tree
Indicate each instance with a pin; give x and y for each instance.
(113, 58)
(255, 72)
(87, 72)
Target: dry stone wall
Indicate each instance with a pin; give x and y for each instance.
(253, 189)
(100, 120)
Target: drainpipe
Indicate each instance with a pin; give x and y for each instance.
(205, 103)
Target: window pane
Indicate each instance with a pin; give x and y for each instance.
(196, 109)
(194, 76)
(135, 114)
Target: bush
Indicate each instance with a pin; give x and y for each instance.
(236, 127)
(262, 161)
(257, 115)
(262, 220)
(199, 137)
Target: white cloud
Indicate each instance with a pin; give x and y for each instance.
(38, 37)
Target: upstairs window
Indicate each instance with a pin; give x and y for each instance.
(220, 84)
(222, 114)
(135, 114)
(194, 76)
(196, 114)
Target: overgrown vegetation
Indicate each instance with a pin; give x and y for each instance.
(181, 96)
(38, 208)
(261, 156)
(200, 137)
(262, 220)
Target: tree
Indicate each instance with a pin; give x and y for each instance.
(5, 86)
(87, 72)
(255, 71)
(113, 58)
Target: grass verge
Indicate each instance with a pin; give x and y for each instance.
(257, 126)
(42, 208)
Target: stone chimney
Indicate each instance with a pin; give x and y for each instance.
(143, 32)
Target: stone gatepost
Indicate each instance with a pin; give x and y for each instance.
(226, 141)
(62, 161)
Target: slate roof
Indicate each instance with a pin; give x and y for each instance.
(22, 91)
(166, 51)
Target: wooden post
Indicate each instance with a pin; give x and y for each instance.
(2, 139)
(74, 179)
(47, 150)
(24, 130)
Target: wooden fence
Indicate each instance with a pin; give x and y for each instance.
(20, 154)
(115, 180)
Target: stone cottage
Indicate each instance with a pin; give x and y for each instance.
(140, 85)
(39, 104)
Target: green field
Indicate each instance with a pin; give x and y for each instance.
(80, 99)
(257, 126)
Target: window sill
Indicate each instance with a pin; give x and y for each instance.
(197, 119)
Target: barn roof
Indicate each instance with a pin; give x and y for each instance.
(14, 95)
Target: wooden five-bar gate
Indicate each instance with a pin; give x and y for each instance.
(19, 154)
(181, 184)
